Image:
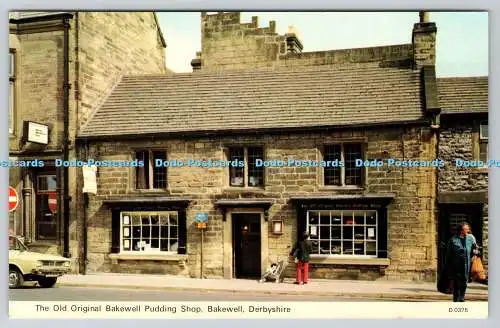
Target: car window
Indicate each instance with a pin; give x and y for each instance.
(15, 244)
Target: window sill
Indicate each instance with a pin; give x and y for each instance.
(330, 188)
(147, 257)
(245, 189)
(349, 261)
(483, 169)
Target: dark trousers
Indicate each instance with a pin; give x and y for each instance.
(459, 287)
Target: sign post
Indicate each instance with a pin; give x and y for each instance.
(201, 220)
(13, 199)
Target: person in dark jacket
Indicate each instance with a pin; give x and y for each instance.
(458, 260)
(301, 252)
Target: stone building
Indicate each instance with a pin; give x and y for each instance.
(463, 138)
(313, 114)
(63, 65)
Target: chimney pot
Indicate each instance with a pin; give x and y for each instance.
(424, 16)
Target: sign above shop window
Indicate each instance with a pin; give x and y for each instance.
(36, 132)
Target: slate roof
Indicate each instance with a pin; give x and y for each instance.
(258, 99)
(463, 94)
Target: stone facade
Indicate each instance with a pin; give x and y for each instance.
(411, 242)
(102, 47)
(459, 186)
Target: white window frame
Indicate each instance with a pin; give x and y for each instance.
(330, 213)
(483, 140)
(481, 125)
(151, 250)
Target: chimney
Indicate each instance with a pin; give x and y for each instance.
(196, 63)
(424, 42)
(293, 44)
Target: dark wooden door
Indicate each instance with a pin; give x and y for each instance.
(246, 245)
(453, 214)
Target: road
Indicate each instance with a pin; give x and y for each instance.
(61, 293)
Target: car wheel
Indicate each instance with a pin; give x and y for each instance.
(47, 282)
(16, 278)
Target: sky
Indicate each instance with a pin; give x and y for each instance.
(461, 45)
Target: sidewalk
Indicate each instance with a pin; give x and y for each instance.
(397, 291)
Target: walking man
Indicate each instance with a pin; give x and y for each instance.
(301, 253)
(458, 260)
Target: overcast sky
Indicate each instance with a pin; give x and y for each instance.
(462, 37)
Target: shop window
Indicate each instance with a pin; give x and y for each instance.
(343, 233)
(149, 232)
(483, 142)
(46, 207)
(151, 176)
(348, 174)
(248, 175)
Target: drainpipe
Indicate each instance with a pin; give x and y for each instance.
(66, 140)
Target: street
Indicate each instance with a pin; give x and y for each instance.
(61, 293)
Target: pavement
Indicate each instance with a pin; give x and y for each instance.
(382, 290)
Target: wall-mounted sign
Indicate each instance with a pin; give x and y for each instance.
(201, 217)
(36, 132)
(89, 179)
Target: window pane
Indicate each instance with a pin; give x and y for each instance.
(313, 218)
(371, 233)
(255, 174)
(336, 233)
(348, 248)
(371, 218)
(331, 174)
(353, 174)
(155, 243)
(126, 244)
(347, 230)
(159, 173)
(173, 233)
(483, 151)
(359, 218)
(336, 247)
(46, 220)
(359, 233)
(12, 65)
(11, 107)
(173, 220)
(483, 129)
(371, 248)
(324, 247)
(359, 248)
(47, 183)
(146, 232)
(324, 232)
(142, 173)
(236, 174)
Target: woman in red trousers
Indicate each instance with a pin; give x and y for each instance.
(301, 252)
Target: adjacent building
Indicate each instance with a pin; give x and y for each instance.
(463, 138)
(63, 65)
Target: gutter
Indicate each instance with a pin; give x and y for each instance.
(272, 130)
(66, 141)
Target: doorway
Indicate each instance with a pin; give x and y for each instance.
(246, 231)
(450, 215)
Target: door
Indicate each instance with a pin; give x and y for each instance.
(452, 215)
(246, 245)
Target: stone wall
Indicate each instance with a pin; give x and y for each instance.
(39, 71)
(229, 44)
(112, 44)
(411, 222)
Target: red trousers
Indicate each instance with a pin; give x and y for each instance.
(302, 271)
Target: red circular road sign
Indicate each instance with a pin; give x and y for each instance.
(13, 199)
